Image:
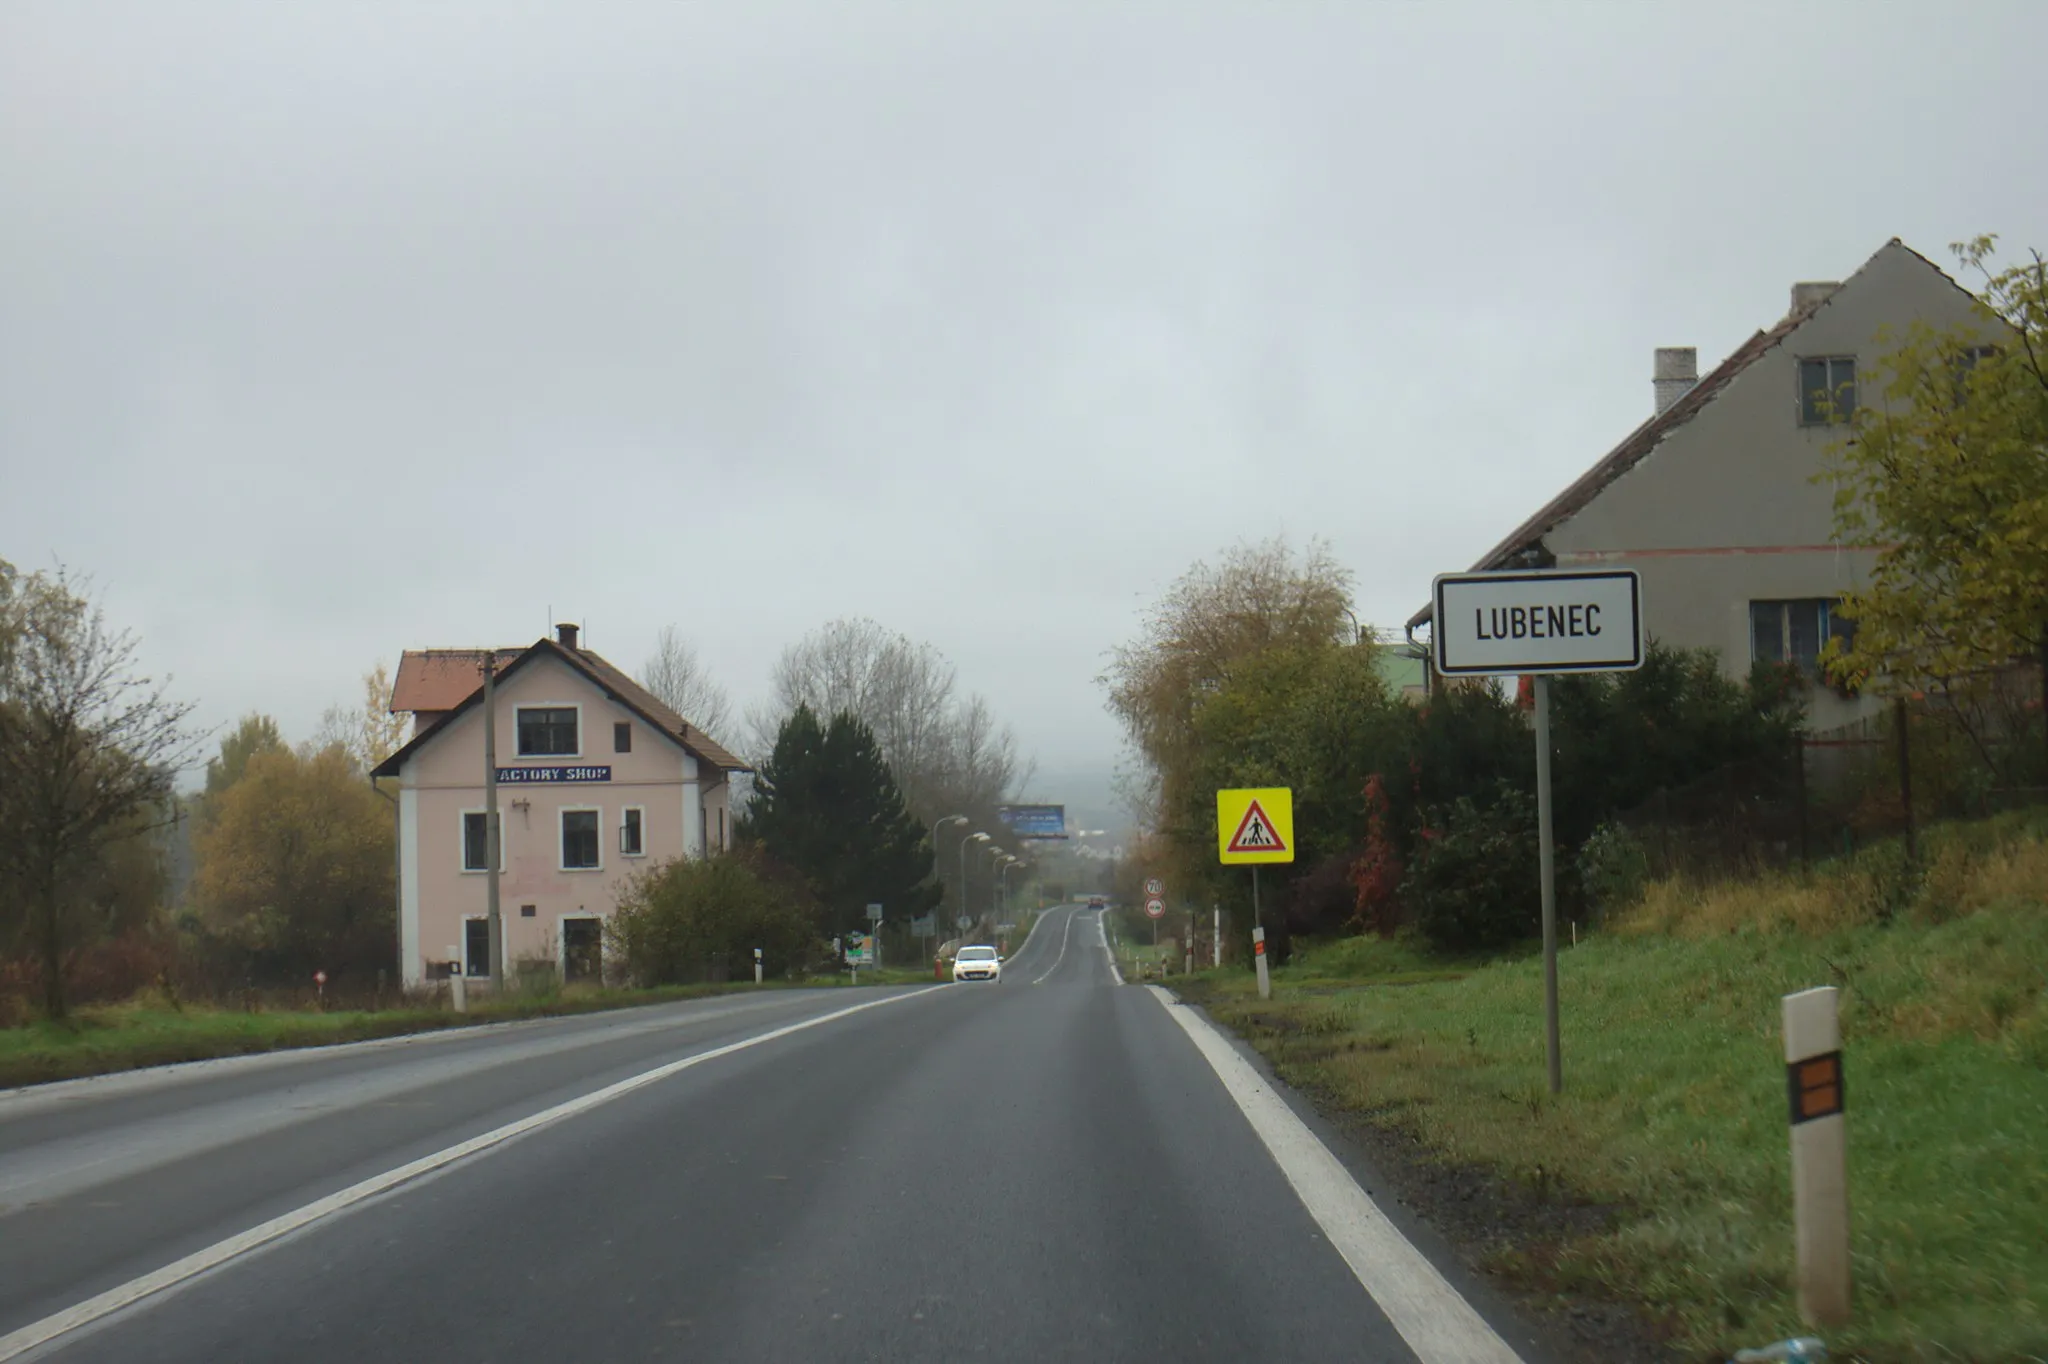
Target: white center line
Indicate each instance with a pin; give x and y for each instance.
(1063, 949)
(38, 1333)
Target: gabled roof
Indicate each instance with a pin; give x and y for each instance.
(1640, 442)
(428, 680)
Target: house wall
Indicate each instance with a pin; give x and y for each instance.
(1726, 510)
(446, 778)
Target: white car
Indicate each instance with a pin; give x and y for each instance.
(977, 963)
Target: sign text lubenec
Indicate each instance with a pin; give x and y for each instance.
(1548, 622)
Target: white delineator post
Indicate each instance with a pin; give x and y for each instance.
(757, 966)
(1820, 1158)
(1216, 941)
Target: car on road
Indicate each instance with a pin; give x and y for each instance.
(977, 963)
(1096, 902)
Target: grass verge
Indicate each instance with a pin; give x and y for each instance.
(107, 1038)
(1672, 1125)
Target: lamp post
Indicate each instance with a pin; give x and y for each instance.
(976, 837)
(995, 859)
(1008, 867)
(939, 876)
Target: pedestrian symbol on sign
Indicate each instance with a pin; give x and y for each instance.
(1255, 833)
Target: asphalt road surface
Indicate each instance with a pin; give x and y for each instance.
(1052, 1168)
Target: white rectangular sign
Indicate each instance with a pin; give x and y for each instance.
(1537, 622)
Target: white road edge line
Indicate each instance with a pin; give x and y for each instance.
(1116, 975)
(1063, 948)
(1435, 1320)
(39, 1333)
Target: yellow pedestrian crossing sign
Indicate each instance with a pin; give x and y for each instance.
(1255, 824)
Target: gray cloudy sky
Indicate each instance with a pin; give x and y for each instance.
(328, 330)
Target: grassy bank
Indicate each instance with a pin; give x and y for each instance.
(148, 1032)
(1672, 1124)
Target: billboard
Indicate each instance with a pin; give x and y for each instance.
(1034, 821)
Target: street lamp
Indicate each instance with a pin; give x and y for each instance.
(976, 837)
(995, 859)
(1008, 867)
(939, 876)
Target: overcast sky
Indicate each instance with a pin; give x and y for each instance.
(330, 330)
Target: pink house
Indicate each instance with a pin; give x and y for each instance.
(597, 780)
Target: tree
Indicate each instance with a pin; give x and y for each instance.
(948, 755)
(368, 733)
(674, 920)
(681, 683)
(1946, 477)
(257, 733)
(826, 807)
(296, 867)
(89, 749)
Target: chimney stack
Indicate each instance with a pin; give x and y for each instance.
(566, 634)
(1812, 293)
(1675, 370)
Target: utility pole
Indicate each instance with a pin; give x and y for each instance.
(493, 839)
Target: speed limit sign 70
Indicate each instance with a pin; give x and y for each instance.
(1155, 887)
(1155, 908)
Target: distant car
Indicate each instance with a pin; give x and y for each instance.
(1096, 902)
(977, 963)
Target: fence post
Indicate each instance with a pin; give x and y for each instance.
(1906, 776)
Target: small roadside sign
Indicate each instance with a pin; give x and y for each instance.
(1502, 624)
(963, 923)
(1155, 886)
(874, 914)
(860, 950)
(1255, 825)
(1155, 908)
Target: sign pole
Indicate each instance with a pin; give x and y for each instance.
(1259, 939)
(1546, 852)
(493, 838)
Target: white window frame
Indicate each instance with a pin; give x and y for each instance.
(562, 943)
(561, 850)
(641, 811)
(462, 841)
(464, 965)
(581, 733)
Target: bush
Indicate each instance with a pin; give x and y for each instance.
(1614, 866)
(680, 921)
(1472, 881)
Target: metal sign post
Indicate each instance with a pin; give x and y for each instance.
(1535, 624)
(1254, 826)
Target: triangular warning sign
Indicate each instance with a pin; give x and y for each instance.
(1256, 834)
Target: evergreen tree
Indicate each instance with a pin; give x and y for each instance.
(826, 806)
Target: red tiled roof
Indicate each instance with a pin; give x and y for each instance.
(447, 681)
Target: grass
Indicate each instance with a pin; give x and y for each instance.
(149, 1032)
(1673, 1113)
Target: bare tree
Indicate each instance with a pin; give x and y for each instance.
(88, 749)
(368, 733)
(944, 751)
(675, 676)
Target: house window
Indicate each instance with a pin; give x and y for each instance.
(622, 737)
(1795, 632)
(721, 828)
(630, 844)
(1827, 390)
(476, 841)
(1966, 363)
(476, 947)
(579, 841)
(547, 732)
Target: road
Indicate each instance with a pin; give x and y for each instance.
(1049, 1168)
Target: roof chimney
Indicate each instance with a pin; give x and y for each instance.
(1812, 293)
(1675, 370)
(566, 634)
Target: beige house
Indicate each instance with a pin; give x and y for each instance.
(597, 779)
(1712, 501)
